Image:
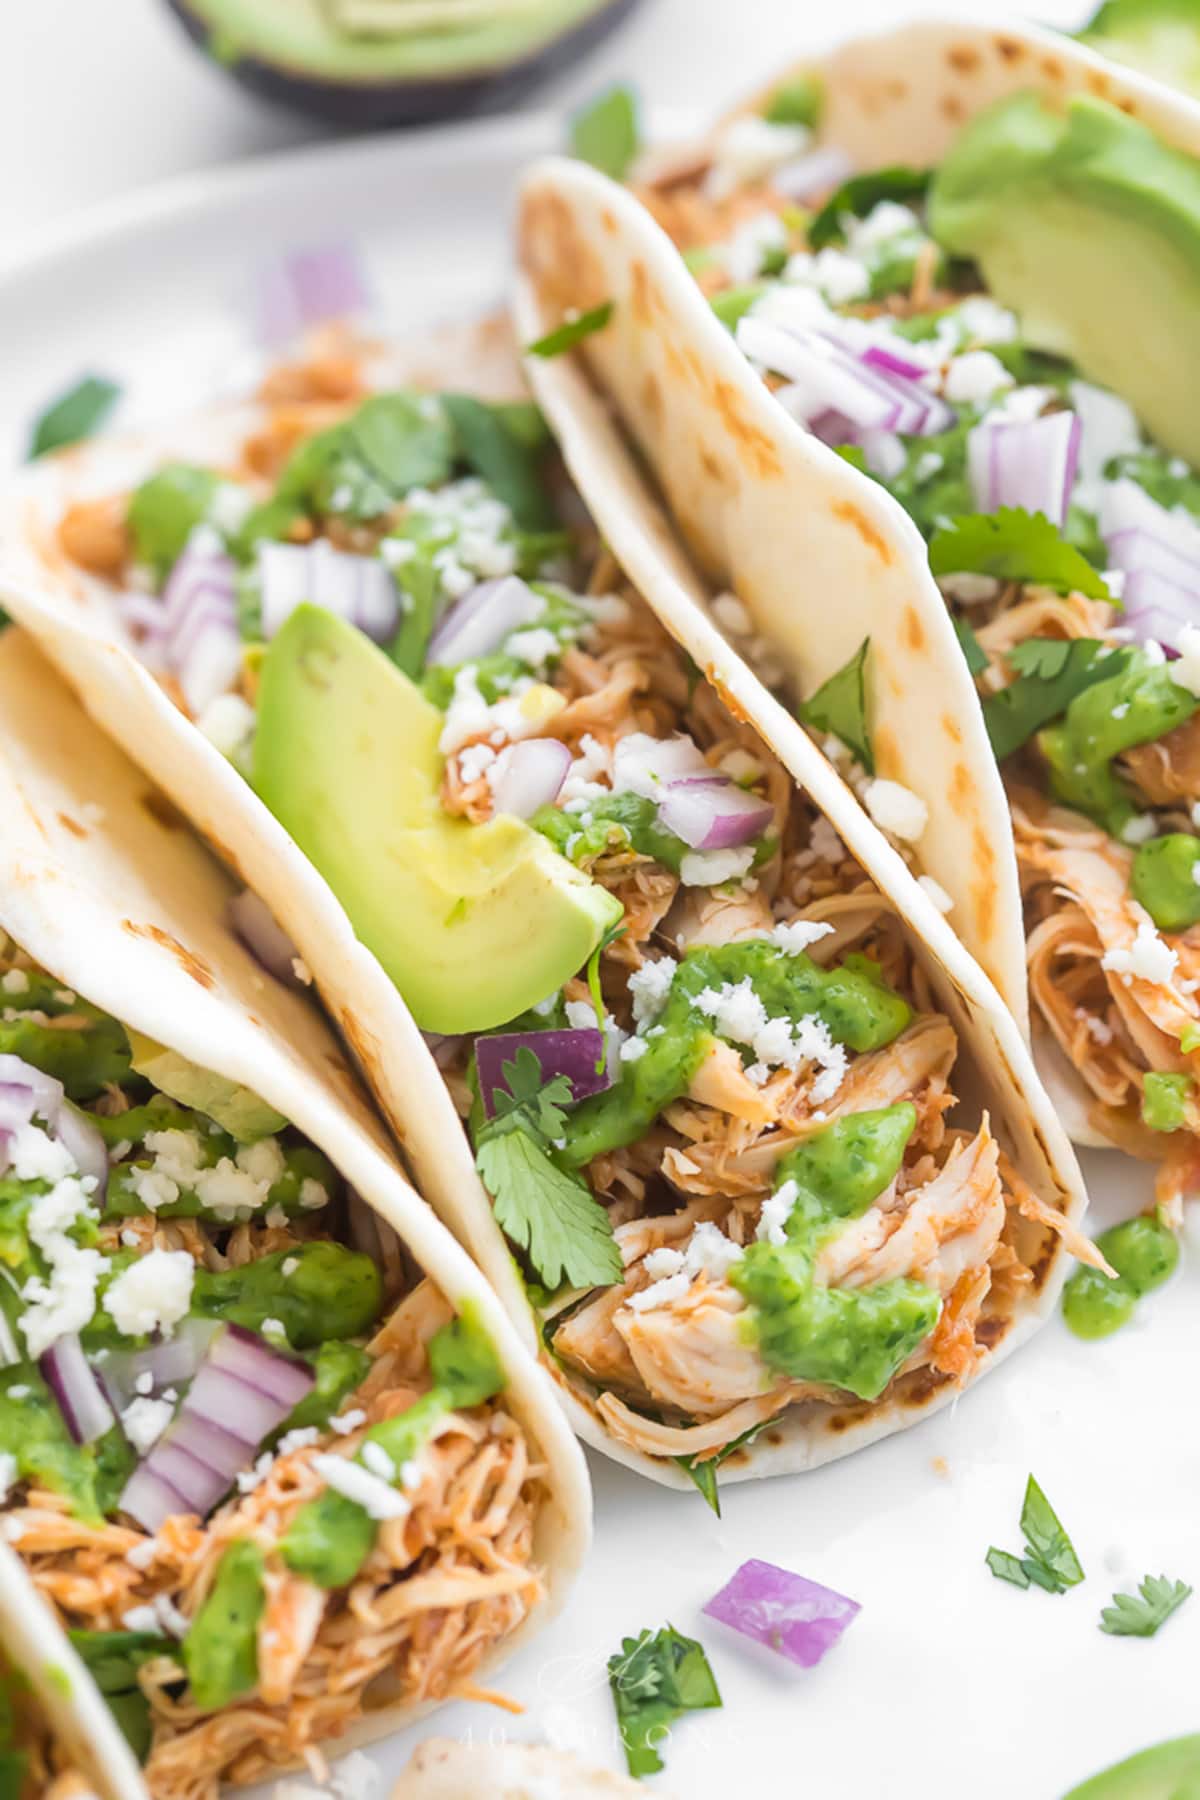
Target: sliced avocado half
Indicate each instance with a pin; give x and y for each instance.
(474, 923)
(1088, 226)
(1169, 1771)
(390, 62)
(1159, 37)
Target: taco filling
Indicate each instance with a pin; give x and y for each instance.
(706, 1080)
(267, 1480)
(1064, 535)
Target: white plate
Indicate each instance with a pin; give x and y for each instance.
(948, 1681)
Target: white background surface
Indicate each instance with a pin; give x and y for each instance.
(948, 1682)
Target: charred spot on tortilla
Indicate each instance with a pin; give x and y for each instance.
(757, 447)
(652, 395)
(642, 311)
(953, 109)
(72, 825)
(963, 57)
(188, 960)
(952, 728)
(1010, 49)
(870, 535)
(914, 631)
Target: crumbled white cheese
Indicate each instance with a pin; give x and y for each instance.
(1020, 405)
(35, 1156)
(347, 1422)
(776, 1211)
(749, 149)
(836, 275)
(274, 1328)
(708, 1252)
(159, 1615)
(969, 588)
(752, 242)
(15, 981)
(647, 765)
(177, 1155)
(1185, 670)
(152, 1294)
(144, 1421)
(712, 868)
(227, 1190)
(377, 1499)
(936, 892)
(983, 321)
(886, 221)
(535, 647)
(1149, 957)
(299, 1439)
(376, 1458)
(1099, 1030)
(800, 935)
(649, 986)
(974, 378)
(263, 1161)
(66, 1300)
(896, 809)
(312, 1195)
(824, 844)
(142, 1554)
(474, 761)
(927, 465)
(740, 1016)
(1140, 829)
(228, 724)
(633, 1048)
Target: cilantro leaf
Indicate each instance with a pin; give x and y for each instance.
(1141, 1614)
(499, 449)
(972, 649)
(655, 1678)
(1046, 1541)
(858, 195)
(1007, 1567)
(74, 415)
(550, 1215)
(1050, 1561)
(1014, 545)
(1050, 673)
(572, 331)
(605, 133)
(704, 1474)
(840, 706)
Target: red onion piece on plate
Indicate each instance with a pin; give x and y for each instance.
(714, 815)
(308, 287)
(573, 1053)
(252, 920)
(530, 775)
(243, 1391)
(791, 1615)
(357, 588)
(479, 622)
(81, 1399)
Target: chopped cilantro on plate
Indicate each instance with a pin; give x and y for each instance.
(1141, 1614)
(1014, 545)
(655, 1678)
(1049, 1561)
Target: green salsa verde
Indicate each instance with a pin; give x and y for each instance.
(1144, 1253)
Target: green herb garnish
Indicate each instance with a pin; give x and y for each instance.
(74, 415)
(1014, 545)
(1049, 1561)
(862, 192)
(972, 649)
(550, 1215)
(605, 132)
(795, 102)
(655, 1678)
(840, 706)
(572, 331)
(1141, 1614)
(1051, 672)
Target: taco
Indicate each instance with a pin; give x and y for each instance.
(894, 255)
(270, 1449)
(695, 1014)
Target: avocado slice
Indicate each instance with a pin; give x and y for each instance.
(1169, 1771)
(474, 923)
(1159, 37)
(236, 1109)
(1088, 226)
(368, 63)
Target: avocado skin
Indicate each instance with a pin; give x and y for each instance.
(372, 106)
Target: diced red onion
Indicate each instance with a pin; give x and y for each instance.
(831, 372)
(892, 361)
(817, 173)
(268, 943)
(1137, 549)
(791, 1615)
(479, 622)
(714, 814)
(1124, 506)
(1029, 464)
(531, 774)
(1158, 553)
(200, 641)
(79, 1137)
(71, 1380)
(1156, 610)
(573, 1053)
(357, 588)
(171, 1363)
(243, 1390)
(308, 287)
(27, 1093)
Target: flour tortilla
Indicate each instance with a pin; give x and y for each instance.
(441, 1769)
(103, 884)
(72, 619)
(820, 556)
